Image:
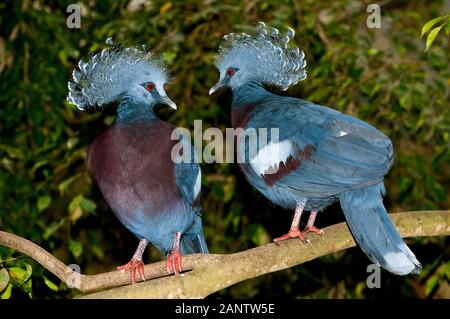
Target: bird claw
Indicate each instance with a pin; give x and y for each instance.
(173, 263)
(313, 229)
(293, 233)
(134, 265)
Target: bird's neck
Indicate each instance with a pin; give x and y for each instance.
(245, 99)
(134, 112)
(248, 93)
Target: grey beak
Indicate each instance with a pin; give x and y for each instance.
(217, 86)
(169, 102)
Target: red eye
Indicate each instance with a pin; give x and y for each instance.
(150, 86)
(230, 72)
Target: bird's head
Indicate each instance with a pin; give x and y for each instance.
(149, 93)
(264, 57)
(116, 74)
(229, 78)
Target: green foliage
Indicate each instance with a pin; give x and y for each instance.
(15, 273)
(434, 32)
(379, 75)
(50, 284)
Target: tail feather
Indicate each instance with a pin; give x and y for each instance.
(192, 244)
(374, 231)
(193, 241)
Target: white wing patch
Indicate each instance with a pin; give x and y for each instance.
(342, 133)
(198, 183)
(269, 157)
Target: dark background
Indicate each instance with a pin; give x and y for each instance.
(382, 76)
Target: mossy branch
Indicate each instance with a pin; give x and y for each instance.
(210, 273)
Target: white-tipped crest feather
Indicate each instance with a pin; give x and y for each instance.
(112, 72)
(265, 56)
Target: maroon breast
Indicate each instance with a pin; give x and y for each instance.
(240, 115)
(132, 166)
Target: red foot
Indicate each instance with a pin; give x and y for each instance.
(173, 263)
(293, 233)
(313, 229)
(134, 265)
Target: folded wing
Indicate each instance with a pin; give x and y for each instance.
(329, 153)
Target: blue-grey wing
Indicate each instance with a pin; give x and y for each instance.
(188, 174)
(333, 152)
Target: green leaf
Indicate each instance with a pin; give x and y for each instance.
(432, 36)
(76, 214)
(50, 230)
(258, 235)
(72, 142)
(75, 248)
(427, 26)
(19, 275)
(65, 184)
(7, 293)
(29, 271)
(13, 152)
(372, 51)
(88, 205)
(43, 202)
(447, 27)
(78, 205)
(37, 166)
(75, 203)
(75, 210)
(431, 284)
(405, 101)
(359, 289)
(169, 57)
(228, 190)
(428, 269)
(4, 279)
(97, 251)
(50, 284)
(28, 286)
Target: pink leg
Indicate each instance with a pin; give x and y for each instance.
(136, 262)
(294, 232)
(173, 263)
(310, 225)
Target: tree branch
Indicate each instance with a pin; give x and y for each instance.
(89, 283)
(211, 273)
